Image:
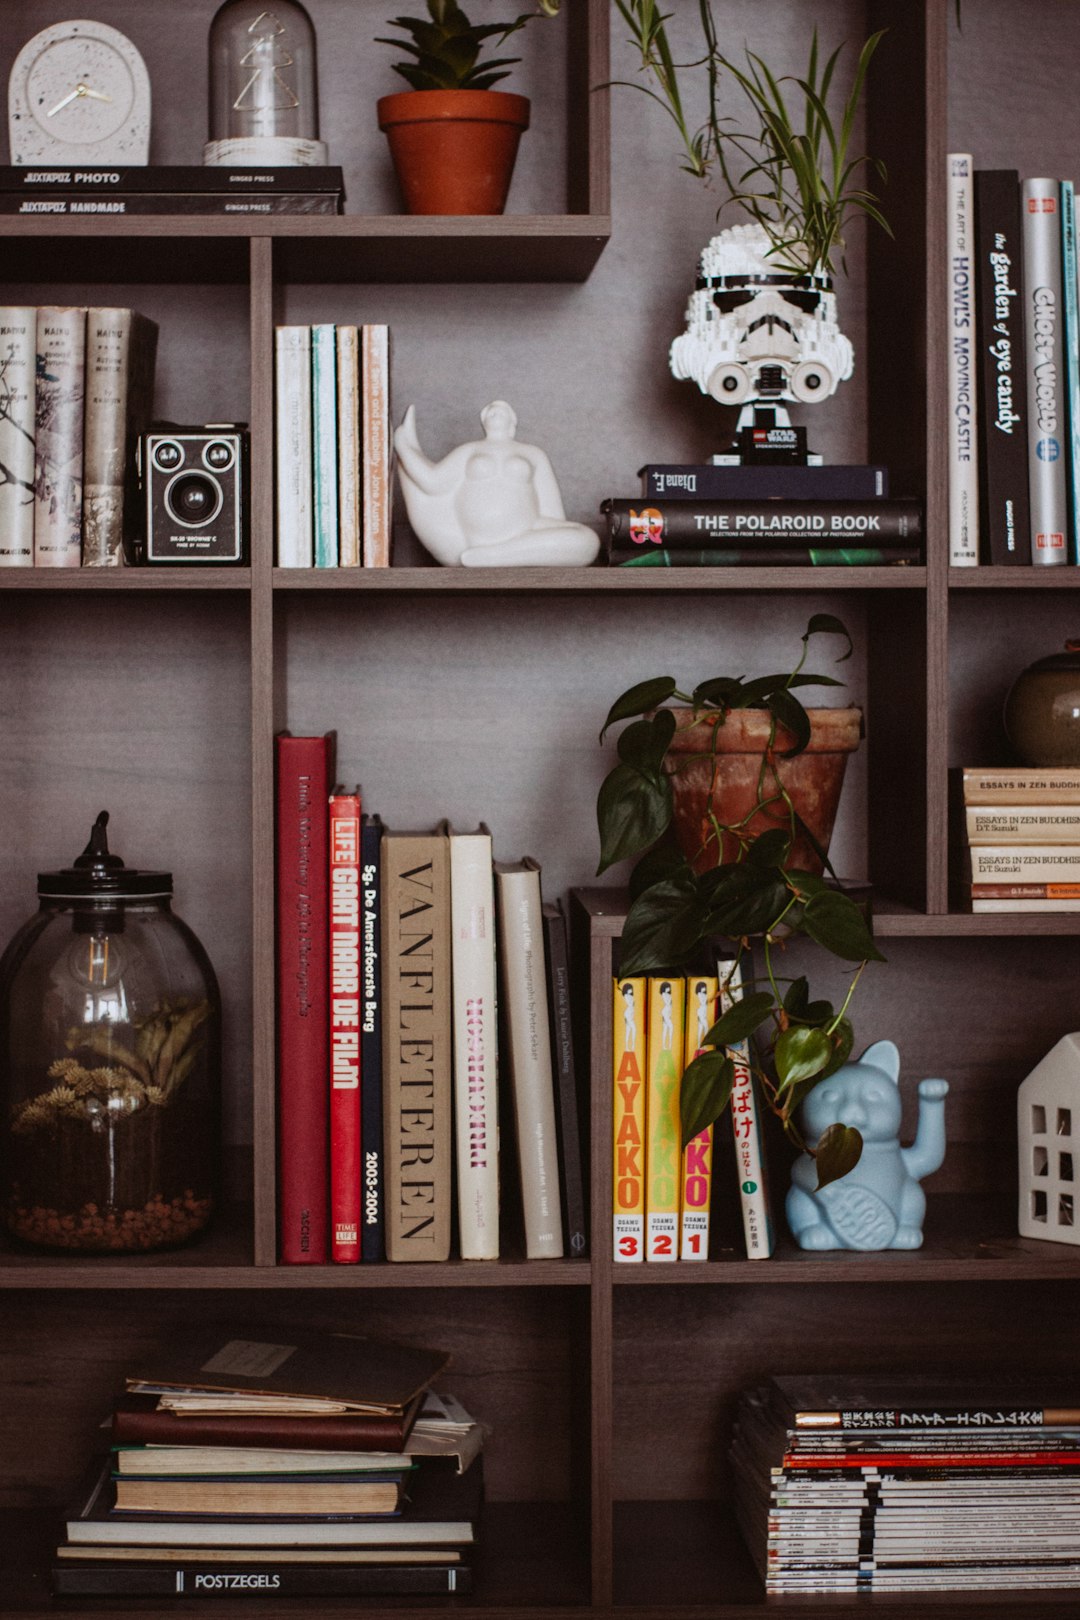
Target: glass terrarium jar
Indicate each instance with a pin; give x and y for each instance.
(264, 101)
(110, 1063)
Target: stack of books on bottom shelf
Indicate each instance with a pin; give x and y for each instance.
(272, 1491)
(1023, 834)
(907, 1484)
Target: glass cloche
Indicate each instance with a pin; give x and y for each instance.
(264, 101)
(110, 1063)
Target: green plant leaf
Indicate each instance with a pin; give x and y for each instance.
(835, 921)
(838, 1151)
(746, 1014)
(785, 707)
(797, 998)
(800, 1053)
(806, 883)
(827, 624)
(770, 848)
(663, 928)
(819, 1013)
(664, 862)
(632, 812)
(748, 900)
(705, 1092)
(754, 693)
(725, 691)
(645, 743)
(843, 1039)
(639, 699)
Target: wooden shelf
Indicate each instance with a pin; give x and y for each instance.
(397, 248)
(1014, 579)
(599, 579)
(179, 578)
(964, 1242)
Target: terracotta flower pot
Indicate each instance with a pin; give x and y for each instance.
(728, 779)
(454, 150)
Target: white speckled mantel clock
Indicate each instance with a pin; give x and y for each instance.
(79, 93)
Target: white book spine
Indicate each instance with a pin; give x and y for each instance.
(524, 991)
(18, 346)
(963, 463)
(58, 436)
(1025, 863)
(292, 432)
(1046, 385)
(375, 428)
(324, 443)
(348, 424)
(1023, 824)
(746, 1125)
(476, 1112)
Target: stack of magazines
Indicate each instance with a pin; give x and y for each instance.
(320, 1466)
(907, 1484)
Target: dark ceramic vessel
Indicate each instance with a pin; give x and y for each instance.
(1042, 710)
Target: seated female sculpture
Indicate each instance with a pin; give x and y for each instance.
(491, 503)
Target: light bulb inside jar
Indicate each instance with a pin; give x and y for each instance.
(95, 961)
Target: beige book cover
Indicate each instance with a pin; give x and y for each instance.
(18, 347)
(524, 992)
(476, 1105)
(58, 436)
(348, 426)
(417, 1052)
(121, 346)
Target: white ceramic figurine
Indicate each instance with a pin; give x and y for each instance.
(491, 503)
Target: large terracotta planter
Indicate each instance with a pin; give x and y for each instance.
(726, 772)
(454, 150)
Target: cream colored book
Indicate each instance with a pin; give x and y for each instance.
(523, 984)
(702, 996)
(663, 1159)
(1022, 784)
(628, 1030)
(58, 436)
(476, 1103)
(18, 346)
(1023, 823)
(293, 448)
(348, 427)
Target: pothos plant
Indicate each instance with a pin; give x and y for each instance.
(679, 901)
(791, 169)
(446, 48)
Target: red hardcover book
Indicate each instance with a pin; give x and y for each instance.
(304, 774)
(137, 1422)
(345, 1159)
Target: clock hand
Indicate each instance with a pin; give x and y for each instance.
(60, 105)
(78, 94)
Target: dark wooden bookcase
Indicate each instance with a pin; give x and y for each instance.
(480, 693)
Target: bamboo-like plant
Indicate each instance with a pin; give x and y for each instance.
(800, 184)
(759, 896)
(447, 47)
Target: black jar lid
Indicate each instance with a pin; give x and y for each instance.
(98, 873)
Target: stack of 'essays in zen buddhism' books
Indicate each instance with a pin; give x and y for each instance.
(306, 1468)
(1023, 834)
(908, 1484)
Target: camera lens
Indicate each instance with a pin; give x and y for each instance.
(194, 499)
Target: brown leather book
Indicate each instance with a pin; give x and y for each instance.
(137, 1422)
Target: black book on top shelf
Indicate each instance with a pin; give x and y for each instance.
(1004, 523)
(164, 179)
(697, 523)
(709, 482)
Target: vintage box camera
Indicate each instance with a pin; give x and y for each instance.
(193, 485)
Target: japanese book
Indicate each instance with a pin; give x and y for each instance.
(663, 1159)
(417, 1052)
(1048, 440)
(476, 1111)
(292, 447)
(18, 346)
(324, 450)
(348, 427)
(58, 436)
(344, 1010)
(523, 988)
(1021, 784)
(375, 463)
(121, 346)
(746, 1124)
(702, 996)
(963, 465)
(628, 1031)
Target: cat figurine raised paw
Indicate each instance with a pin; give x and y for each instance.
(879, 1204)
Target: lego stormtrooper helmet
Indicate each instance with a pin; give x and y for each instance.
(758, 334)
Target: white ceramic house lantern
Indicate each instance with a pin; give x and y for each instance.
(1048, 1134)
